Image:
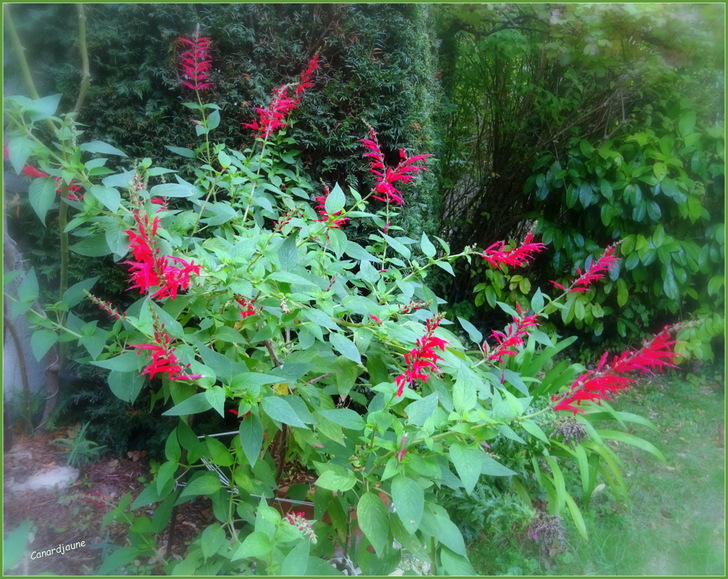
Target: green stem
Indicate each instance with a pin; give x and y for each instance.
(83, 47)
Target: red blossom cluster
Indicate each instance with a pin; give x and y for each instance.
(196, 62)
(422, 357)
(608, 378)
(596, 271)
(333, 223)
(73, 187)
(405, 171)
(512, 337)
(150, 268)
(248, 306)
(164, 360)
(516, 257)
(273, 117)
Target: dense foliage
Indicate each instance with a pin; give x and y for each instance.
(599, 122)
(271, 274)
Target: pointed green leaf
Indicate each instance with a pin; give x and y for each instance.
(251, 437)
(281, 411)
(372, 516)
(335, 200)
(409, 501)
(468, 462)
(345, 347)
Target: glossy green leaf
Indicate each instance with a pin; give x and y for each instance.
(42, 195)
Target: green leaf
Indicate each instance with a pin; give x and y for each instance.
(345, 346)
(125, 386)
(335, 200)
(409, 501)
(122, 556)
(465, 391)
(180, 189)
(296, 562)
(42, 194)
(205, 484)
(445, 266)
(216, 397)
(288, 254)
(281, 411)
(94, 246)
(337, 479)
(455, 565)
(468, 463)
(686, 124)
(213, 120)
(181, 151)
(41, 341)
(426, 246)
(212, 539)
(491, 467)
(398, 246)
(473, 332)
(372, 516)
(420, 410)
(255, 546)
(251, 437)
(101, 148)
(165, 474)
(636, 441)
(345, 418)
(19, 150)
(577, 517)
(193, 405)
(42, 108)
(123, 362)
(77, 292)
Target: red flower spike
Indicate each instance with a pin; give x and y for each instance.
(596, 271)
(421, 358)
(163, 358)
(606, 380)
(516, 257)
(513, 336)
(196, 62)
(405, 171)
(273, 117)
(150, 268)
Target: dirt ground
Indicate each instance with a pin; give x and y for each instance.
(75, 514)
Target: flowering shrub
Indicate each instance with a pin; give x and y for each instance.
(334, 355)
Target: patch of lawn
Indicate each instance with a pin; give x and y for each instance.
(674, 523)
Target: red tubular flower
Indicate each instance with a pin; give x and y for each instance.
(405, 171)
(150, 268)
(596, 271)
(196, 62)
(248, 306)
(605, 381)
(325, 217)
(421, 358)
(516, 257)
(513, 336)
(164, 360)
(273, 117)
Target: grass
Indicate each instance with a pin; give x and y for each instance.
(674, 523)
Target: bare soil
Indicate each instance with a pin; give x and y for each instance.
(75, 514)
